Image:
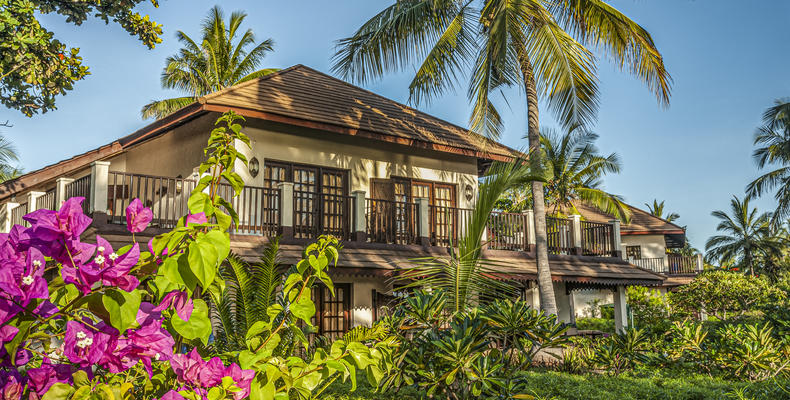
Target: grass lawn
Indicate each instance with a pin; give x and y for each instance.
(563, 386)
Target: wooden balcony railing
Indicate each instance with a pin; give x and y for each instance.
(391, 221)
(672, 264)
(80, 188)
(447, 224)
(597, 239)
(322, 214)
(258, 209)
(560, 235)
(46, 201)
(167, 197)
(507, 231)
(17, 213)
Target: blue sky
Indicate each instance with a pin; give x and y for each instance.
(729, 61)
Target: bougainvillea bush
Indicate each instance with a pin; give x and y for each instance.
(85, 320)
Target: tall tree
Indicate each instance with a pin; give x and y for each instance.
(8, 160)
(773, 150)
(35, 67)
(538, 45)
(222, 58)
(657, 209)
(744, 235)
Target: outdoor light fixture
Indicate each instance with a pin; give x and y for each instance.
(469, 192)
(254, 167)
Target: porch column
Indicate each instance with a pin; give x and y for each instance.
(576, 233)
(423, 222)
(60, 191)
(620, 309)
(529, 225)
(32, 200)
(286, 209)
(700, 263)
(359, 228)
(100, 177)
(572, 303)
(7, 207)
(616, 240)
(532, 295)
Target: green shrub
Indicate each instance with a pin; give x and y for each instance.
(595, 324)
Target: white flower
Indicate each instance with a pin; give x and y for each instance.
(100, 249)
(157, 356)
(27, 280)
(113, 256)
(99, 259)
(36, 263)
(85, 343)
(81, 335)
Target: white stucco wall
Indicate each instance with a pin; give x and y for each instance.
(362, 300)
(653, 246)
(583, 298)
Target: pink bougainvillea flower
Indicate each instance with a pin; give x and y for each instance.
(57, 233)
(7, 333)
(109, 269)
(211, 374)
(11, 385)
(150, 342)
(187, 367)
(138, 216)
(172, 395)
(84, 344)
(180, 301)
(21, 281)
(42, 378)
(242, 378)
(199, 219)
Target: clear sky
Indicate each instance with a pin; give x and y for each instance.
(729, 61)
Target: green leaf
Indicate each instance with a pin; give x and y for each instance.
(122, 306)
(12, 346)
(223, 220)
(198, 326)
(58, 391)
(221, 242)
(80, 378)
(200, 202)
(257, 328)
(203, 259)
(304, 308)
(83, 393)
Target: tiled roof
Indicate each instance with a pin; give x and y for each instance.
(641, 221)
(306, 94)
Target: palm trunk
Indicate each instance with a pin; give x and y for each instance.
(545, 286)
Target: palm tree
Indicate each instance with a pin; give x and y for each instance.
(465, 276)
(538, 45)
(211, 64)
(8, 159)
(773, 139)
(657, 209)
(745, 235)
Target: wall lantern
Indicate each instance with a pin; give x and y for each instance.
(254, 167)
(469, 192)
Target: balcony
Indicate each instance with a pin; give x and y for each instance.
(672, 264)
(305, 215)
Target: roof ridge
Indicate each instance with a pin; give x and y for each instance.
(654, 216)
(203, 99)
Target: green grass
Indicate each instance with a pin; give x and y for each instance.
(564, 386)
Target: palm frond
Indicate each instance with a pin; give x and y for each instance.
(162, 108)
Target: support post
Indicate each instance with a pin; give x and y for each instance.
(7, 224)
(620, 309)
(286, 209)
(700, 263)
(60, 191)
(423, 222)
(359, 229)
(576, 234)
(32, 201)
(529, 224)
(616, 240)
(100, 177)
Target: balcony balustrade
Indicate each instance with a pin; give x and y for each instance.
(672, 264)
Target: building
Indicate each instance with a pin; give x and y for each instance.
(328, 157)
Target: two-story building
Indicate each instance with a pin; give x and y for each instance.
(328, 157)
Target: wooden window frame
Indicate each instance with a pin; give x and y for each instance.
(628, 252)
(410, 182)
(320, 303)
(289, 167)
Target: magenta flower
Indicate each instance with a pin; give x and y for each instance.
(180, 301)
(57, 233)
(109, 269)
(172, 395)
(84, 344)
(187, 367)
(196, 373)
(48, 374)
(242, 378)
(138, 216)
(11, 385)
(21, 281)
(7, 334)
(199, 219)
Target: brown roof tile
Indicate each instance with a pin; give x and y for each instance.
(642, 222)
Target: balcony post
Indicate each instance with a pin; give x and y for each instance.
(616, 241)
(620, 309)
(100, 177)
(529, 231)
(60, 191)
(32, 200)
(576, 233)
(7, 207)
(423, 222)
(700, 263)
(359, 228)
(286, 209)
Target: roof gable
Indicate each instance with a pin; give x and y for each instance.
(642, 222)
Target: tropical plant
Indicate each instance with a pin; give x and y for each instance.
(622, 351)
(773, 141)
(8, 160)
(744, 235)
(724, 294)
(464, 275)
(36, 67)
(537, 45)
(212, 63)
(657, 209)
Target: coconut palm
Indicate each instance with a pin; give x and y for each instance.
(745, 235)
(211, 64)
(8, 160)
(773, 139)
(657, 209)
(538, 45)
(464, 275)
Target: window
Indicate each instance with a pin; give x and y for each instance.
(633, 252)
(409, 190)
(333, 313)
